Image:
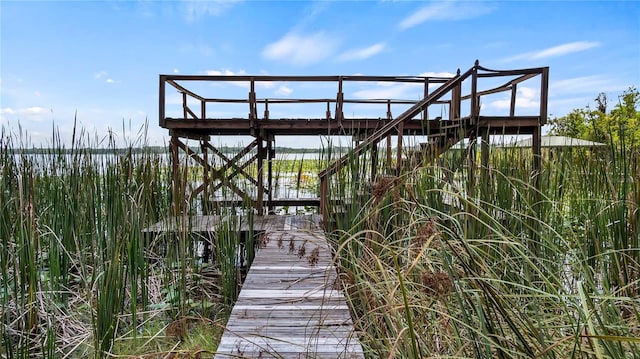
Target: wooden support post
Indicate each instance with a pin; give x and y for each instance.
(535, 173)
(512, 107)
(544, 95)
(536, 141)
(374, 161)
(537, 153)
(389, 155)
(484, 148)
(356, 141)
(261, 157)
(206, 199)
(324, 198)
(454, 106)
(184, 105)
(271, 153)
(471, 168)
(176, 187)
(474, 111)
(339, 102)
(484, 160)
(399, 149)
(470, 208)
(425, 115)
(205, 178)
(253, 114)
(161, 101)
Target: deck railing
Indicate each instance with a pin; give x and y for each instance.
(479, 98)
(453, 89)
(183, 85)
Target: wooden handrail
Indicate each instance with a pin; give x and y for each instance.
(389, 126)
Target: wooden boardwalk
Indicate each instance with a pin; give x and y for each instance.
(289, 306)
(204, 227)
(210, 223)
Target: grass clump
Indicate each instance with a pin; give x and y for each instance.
(437, 263)
(78, 275)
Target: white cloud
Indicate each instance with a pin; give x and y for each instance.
(224, 73)
(34, 113)
(437, 74)
(554, 51)
(562, 106)
(243, 84)
(175, 71)
(593, 84)
(301, 50)
(526, 92)
(100, 74)
(445, 10)
(195, 9)
(284, 91)
(390, 91)
(407, 91)
(525, 98)
(362, 53)
(29, 111)
(565, 49)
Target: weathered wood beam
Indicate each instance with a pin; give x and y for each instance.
(236, 171)
(313, 78)
(183, 90)
(260, 184)
(193, 155)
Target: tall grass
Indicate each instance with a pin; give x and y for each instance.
(434, 262)
(440, 264)
(78, 276)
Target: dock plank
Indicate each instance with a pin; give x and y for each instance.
(289, 305)
(210, 223)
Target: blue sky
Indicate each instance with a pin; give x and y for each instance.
(101, 59)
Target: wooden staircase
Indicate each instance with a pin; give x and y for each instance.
(462, 123)
(438, 143)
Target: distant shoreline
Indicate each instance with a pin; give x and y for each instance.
(157, 149)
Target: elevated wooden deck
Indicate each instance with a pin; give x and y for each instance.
(437, 111)
(289, 306)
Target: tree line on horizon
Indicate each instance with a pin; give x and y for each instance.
(619, 126)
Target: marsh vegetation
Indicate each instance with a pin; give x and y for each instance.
(460, 260)
(446, 260)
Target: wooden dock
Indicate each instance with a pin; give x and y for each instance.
(209, 223)
(289, 305)
(204, 227)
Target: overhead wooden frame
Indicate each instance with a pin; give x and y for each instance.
(461, 96)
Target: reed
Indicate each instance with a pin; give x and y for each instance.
(78, 276)
(440, 263)
(434, 261)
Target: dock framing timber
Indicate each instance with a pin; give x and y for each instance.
(470, 105)
(290, 305)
